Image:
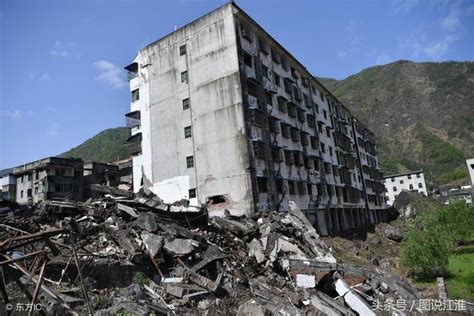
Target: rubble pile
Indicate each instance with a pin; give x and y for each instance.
(135, 254)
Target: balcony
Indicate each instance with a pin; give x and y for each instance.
(133, 119)
(268, 85)
(132, 71)
(250, 73)
(252, 102)
(135, 138)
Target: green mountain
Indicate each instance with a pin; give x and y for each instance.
(110, 144)
(421, 113)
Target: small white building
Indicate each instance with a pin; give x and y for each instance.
(470, 168)
(412, 181)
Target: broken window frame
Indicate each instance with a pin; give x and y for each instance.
(135, 95)
(188, 132)
(186, 104)
(182, 50)
(262, 184)
(189, 162)
(184, 77)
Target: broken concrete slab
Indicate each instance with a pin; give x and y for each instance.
(146, 221)
(353, 300)
(306, 281)
(152, 242)
(179, 246)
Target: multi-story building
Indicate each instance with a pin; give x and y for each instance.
(100, 173)
(7, 185)
(226, 116)
(49, 178)
(412, 181)
(470, 168)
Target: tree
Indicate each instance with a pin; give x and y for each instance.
(433, 236)
(426, 251)
(457, 220)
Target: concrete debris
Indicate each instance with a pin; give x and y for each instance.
(180, 247)
(120, 253)
(392, 233)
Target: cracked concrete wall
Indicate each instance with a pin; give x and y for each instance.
(218, 141)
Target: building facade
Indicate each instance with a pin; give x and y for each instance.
(412, 181)
(100, 173)
(49, 178)
(227, 116)
(7, 185)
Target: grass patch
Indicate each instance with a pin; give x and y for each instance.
(460, 282)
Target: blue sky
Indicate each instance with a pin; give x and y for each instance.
(61, 61)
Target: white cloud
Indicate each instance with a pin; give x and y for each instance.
(65, 49)
(51, 109)
(403, 6)
(110, 74)
(39, 76)
(433, 49)
(15, 114)
(452, 22)
(12, 114)
(341, 53)
(53, 129)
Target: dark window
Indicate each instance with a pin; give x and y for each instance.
(248, 60)
(277, 79)
(394, 189)
(411, 186)
(265, 71)
(262, 185)
(393, 179)
(409, 176)
(182, 50)
(135, 95)
(279, 185)
(192, 193)
(187, 132)
(310, 189)
(36, 190)
(420, 185)
(269, 97)
(325, 114)
(323, 148)
(291, 187)
(184, 76)
(186, 104)
(401, 181)
(330, 150)
(189, 162)
(29, 176)
(285, 130)
(29, 193)
(21, 193)
(419, 175)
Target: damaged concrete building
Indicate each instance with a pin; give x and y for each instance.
(49, 178)
(225, 115)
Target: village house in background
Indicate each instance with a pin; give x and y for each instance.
(57, 178)
(7, 185)
(412, 181)
(470, 168)
(447, 194)
(225, 115)
(49, 178)
(100, 173)
(125, 166)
